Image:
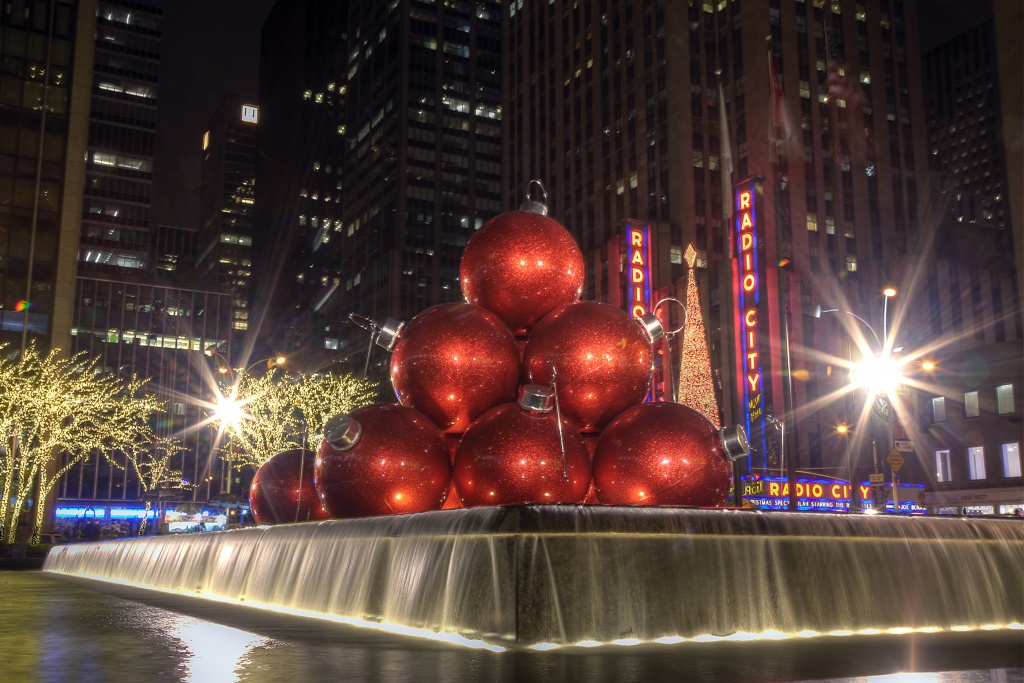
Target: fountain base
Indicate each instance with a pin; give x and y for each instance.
(549, 576)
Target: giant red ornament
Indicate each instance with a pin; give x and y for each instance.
(665, 454)
(283, 490)
(453, 362)
(603, 358)
(521, 265)
(512, 455)
(381, 460)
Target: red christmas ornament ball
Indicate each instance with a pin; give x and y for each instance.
(453, 362)
(603, 358)
(511, 456)
(276, 495)
(521, 266)
(662, 454)
(382, 460)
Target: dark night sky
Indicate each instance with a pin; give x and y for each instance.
(210, 47)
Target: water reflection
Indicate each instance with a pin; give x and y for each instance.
(214, 652)
(59, 629)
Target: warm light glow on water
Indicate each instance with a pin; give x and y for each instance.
(214, 652)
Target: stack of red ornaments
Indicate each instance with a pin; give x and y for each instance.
(522, 395)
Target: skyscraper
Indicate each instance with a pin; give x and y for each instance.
(418, 90)
(226, 202)
(820, 161)
(133, 315)
(44, 104)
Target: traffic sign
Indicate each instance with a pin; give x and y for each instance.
(904, 446)
(876, 479)
(895, 460)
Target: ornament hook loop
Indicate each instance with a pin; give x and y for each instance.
(532, 205)
(669, 334)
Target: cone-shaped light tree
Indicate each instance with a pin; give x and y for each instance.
(696, 385)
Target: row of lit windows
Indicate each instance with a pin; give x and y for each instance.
(976, 463)
(1004, 403)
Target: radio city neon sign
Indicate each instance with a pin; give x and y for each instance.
(638, 255)
(748, 300)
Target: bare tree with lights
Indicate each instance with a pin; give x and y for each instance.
(67, 407)
(265, 415)
(149, 458)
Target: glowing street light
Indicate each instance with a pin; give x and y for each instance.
(228, 411)
(878, 374)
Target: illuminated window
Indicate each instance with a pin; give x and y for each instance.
(939, 409)
(675, 255)
(851, 263)
(1011, 459)
(976, 462)
(830, 225)
(250, 113)
(206, 141)
(812, 222)
(971, 404)
(942, 471)
(331, 343)
(1004, 399)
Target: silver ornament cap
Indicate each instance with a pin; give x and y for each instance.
(652, 327)
(734, 442)
(388, 335)
(537, 398)
(532, 205)
(342, 432)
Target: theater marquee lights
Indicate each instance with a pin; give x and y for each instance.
(751, 324)
(638, 261)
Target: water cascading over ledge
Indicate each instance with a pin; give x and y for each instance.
(563, 575)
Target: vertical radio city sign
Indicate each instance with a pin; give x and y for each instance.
(638, 258)
(751, 328)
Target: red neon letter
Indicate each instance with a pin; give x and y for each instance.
(636, 238)
(751, 360)
(744, 200)
(639, 310)
(638, 275)
(638, 257)
(746, 240)
(752, 380)
(750, 318)
(745, 222)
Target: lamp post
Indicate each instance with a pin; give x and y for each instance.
(879, 375)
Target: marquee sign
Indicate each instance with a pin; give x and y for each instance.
(638, 262)
(751, 324)
(826, 495)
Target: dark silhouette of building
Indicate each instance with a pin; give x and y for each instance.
(226, 203)
(396, 109)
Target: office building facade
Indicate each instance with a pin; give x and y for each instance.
(811, 193)
(419, 167)
(226, 204)
(44, 105)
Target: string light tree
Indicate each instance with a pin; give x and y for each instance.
(696, 385)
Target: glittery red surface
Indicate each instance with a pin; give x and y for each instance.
(274, 496)
(453, 362)
(521, 266)
(514, 457)
(661, 454)
(399, 464)
(603, 359)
